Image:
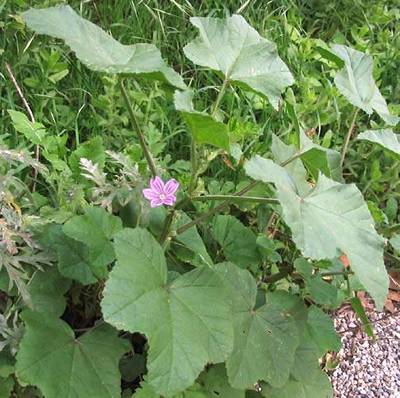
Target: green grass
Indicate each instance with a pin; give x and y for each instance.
(83, 104)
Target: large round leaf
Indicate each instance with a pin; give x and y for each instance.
(188, 321)
(233, 47)
(328, 221)
(97, 49)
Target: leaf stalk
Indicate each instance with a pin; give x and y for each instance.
(235, 198)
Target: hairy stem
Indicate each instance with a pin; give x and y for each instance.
(167, 226)
(348, 136)
(333, 273)
(216, 209)
(226, 203)
(235, 198)
(193, 177)
(170, 219)
(283, 273)
(136, 126)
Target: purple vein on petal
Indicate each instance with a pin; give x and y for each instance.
(157, 185)
(169, 200)
(156, 202)
(171, 186)
(149, 194)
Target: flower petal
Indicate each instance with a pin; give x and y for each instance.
(157, 185)
(170, 200)
(149, 194)
(171, 186)
(157, 202)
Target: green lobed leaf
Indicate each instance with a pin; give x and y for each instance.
(97, 49)
(238, 242)
(356, 83)
(204, 128)
(73, 256)
(187, 321)
(232, 47)
(74, 261)
(307, 380)
(330, 220)
(47, 289)
(320, 291)
(192, 240)
(95, 229)
(265, 338)
(63, 366)
(384, 138)
(322, 331)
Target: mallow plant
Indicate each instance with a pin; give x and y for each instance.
(200, 276)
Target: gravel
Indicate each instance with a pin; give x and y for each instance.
(367, 368)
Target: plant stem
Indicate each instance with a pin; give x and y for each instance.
(193, 178)
(348, 136)
(291, 159)
(278, 276)
(216, 209)
(136, 126)
(219, 98)
(333, 273)
(170, 219)
(235, 198)
(225, 203)
(167, 226)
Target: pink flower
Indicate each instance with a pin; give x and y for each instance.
(161, 194)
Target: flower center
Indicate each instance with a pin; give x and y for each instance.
(162, 196)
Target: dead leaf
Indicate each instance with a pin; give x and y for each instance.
(365, 301)
(389, 306)
(394, 296)
(394, 278)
